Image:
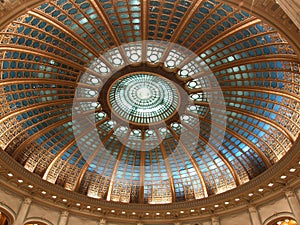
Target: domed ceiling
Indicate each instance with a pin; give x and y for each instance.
(146, 101)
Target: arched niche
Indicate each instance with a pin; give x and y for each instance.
(283, 218)
(7, 215)
(37, 221)
(3, 219)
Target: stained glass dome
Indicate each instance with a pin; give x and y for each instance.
(143, 98)
(148, 102)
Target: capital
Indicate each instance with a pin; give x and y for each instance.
(102, 222)
(27, 201)
(252, 209)
(215, 219)
(64, 213)
(290, 194)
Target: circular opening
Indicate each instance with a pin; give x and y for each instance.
(143, 98)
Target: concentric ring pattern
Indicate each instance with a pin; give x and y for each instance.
(143, 98)
(45, 52)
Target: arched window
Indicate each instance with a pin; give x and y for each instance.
(283, 221)
(3, 219)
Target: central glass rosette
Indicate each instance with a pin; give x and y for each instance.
(143, 98)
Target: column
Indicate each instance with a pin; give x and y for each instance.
(254, 216)
(215, 220)
(23, 210)
(63, 218)
(294, 204)
(102, 222)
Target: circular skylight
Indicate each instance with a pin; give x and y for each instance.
(143, 98)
